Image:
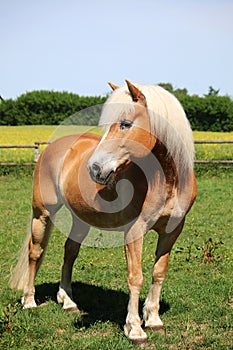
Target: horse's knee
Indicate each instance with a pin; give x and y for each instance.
(160, 268)
(135, 279)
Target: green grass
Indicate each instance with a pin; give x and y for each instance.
(196, 305)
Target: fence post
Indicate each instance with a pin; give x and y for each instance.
(36, 152)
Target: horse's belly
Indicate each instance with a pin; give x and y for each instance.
(106, 217)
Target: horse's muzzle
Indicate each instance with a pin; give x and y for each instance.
(98, 175)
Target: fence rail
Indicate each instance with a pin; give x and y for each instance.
(213, 161)
(213, 141)
(37, 144)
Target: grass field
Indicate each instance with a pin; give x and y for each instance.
(30, 134)
(197, 300)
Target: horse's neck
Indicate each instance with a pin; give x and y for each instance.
(166, 162)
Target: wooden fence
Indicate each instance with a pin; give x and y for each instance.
(37, 144)
(221, 161)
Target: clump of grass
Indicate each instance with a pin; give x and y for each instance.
(209, 250)
(7, 314)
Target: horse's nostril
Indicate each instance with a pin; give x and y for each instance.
(96, 167)
(95, 171)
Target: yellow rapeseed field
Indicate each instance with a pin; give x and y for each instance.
(213, 151)
(30, 134)
(210, 135)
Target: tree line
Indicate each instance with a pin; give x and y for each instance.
(210, 112)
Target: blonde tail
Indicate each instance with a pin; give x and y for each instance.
(20, 274)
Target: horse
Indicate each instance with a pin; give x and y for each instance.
(139, 176)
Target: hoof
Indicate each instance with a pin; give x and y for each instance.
(158, 329)
(72, 309)
(29, 306)
(139, 341)
(138, 338)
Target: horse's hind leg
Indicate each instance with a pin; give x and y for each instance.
(72, 246)
(151, 307)
(40, 231)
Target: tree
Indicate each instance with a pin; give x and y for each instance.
(210, 112)
(212, 92)
(167, 86)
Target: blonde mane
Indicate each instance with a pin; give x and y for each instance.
(168, 121)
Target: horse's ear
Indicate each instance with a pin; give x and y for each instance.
(135, 93)
(113, 86)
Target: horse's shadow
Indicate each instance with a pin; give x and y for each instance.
(95, 303)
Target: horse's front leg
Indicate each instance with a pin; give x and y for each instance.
(72, 247)
(151, 307)
(133, 251)
(64, 295)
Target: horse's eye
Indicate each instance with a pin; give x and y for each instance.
(125, 124)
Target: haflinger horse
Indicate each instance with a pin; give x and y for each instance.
(137, 177)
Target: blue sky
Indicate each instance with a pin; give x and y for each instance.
(79, 45)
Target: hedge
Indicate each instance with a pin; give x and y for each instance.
(48, 108)
(211, 112)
